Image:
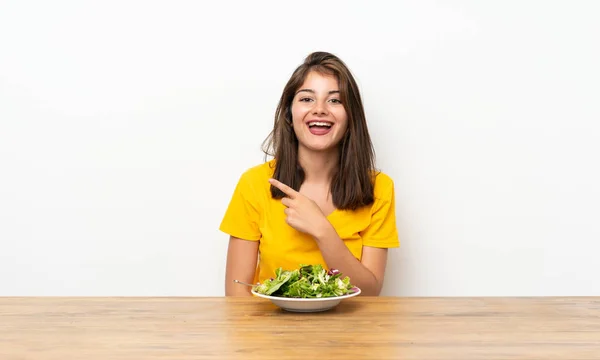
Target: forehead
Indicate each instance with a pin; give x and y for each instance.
(319, 81)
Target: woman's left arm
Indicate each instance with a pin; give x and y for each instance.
(304, 215)
(367, 273)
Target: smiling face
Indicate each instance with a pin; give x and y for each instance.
(319, 118)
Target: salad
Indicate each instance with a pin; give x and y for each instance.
(309, 281)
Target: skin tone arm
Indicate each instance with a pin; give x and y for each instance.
(304, 215)
(242, 258)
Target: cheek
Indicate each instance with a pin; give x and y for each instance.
(343, 119)
(297, 119)
(343, 129)
(297, 113)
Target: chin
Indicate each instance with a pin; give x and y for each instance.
(319, 147)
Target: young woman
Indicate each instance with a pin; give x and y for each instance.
(320, 199)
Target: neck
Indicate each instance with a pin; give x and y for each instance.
(318, 165)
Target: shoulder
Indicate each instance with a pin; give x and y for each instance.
(384, 186)
(256, 179)
(259, 173)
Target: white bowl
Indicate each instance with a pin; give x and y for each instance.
(307, 304)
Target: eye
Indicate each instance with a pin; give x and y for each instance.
(336, 101)
(305, 99)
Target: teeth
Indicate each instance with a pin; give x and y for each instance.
(319, 123)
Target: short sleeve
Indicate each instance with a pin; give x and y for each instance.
(382, 231)
(242, 217)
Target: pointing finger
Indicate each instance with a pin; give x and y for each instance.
(283, 187)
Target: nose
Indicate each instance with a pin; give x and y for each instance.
(320, 108)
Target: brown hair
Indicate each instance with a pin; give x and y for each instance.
(352, 183)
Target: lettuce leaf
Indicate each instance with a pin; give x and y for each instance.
(309, 281)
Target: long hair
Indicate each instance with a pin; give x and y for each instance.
(353, 181)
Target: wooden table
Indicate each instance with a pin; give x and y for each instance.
(253, 328)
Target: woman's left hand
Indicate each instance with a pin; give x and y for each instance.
(303, 214)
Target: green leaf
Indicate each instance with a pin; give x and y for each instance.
(308, 281)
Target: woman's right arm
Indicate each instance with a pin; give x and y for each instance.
(242, 258)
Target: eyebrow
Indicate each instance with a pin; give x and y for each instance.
(312, 91)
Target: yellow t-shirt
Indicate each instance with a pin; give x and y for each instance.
(254, 215)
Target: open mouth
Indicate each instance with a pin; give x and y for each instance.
(319, 127)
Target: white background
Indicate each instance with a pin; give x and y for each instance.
(125, 125)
